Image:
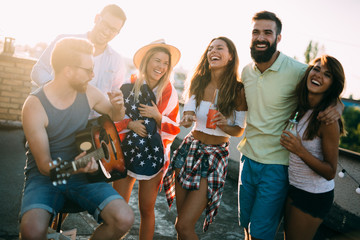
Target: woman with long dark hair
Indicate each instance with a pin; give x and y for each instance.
(198, 169)
(314, 151)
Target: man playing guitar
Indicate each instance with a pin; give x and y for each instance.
(51, 117)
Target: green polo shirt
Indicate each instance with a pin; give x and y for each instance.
(271, 99)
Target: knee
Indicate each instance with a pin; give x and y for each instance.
(146, 211)
(32, 232)
(182, 228)
(124, 220)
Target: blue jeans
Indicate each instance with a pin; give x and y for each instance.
(262, 194)
(40, 193)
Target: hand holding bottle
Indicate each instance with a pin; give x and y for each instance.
(292, 126)
(187, 119)
(210, 123)
(290, 138)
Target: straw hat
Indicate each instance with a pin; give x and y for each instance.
(175, 53)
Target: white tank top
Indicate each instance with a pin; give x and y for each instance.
(300, 174)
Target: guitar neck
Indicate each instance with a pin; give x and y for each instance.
(83, 161)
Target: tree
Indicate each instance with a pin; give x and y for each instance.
(311, 52)
(351, 117)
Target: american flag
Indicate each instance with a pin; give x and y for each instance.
(143, 155)
(168, 106)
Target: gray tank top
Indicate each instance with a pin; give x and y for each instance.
(62, 127)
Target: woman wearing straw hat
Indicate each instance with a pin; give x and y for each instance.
(198, 168)
(149, 128)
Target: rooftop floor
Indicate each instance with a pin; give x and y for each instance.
(12, 162)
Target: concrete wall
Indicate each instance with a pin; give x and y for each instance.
(15, 85)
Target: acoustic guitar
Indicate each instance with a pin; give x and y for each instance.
(102, 141)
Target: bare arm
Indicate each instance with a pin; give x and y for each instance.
(222, 122)
(332, 113)
(330, 135)
(34, 120)
(114, 106)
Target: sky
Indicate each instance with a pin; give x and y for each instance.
(191, 24)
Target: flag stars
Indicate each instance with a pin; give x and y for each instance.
(141, 151)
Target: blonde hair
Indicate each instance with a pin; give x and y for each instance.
(164, 80)
(68, 51)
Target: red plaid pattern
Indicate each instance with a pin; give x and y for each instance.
(190, 174)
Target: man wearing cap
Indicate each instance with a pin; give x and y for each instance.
(109, 68)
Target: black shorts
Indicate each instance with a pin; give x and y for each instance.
(316, 204)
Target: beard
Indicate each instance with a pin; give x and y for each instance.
(79, 87)
(262, 56)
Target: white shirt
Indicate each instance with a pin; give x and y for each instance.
(109, 68)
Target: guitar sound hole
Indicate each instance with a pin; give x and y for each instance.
(106, 150)
(103, 136)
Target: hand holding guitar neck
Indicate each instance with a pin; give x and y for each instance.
(61, 170)
(90, 167)
(107, 150)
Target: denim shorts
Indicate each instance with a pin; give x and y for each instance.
(40, 193)
(262, 194)
(316, 204)
(179, 160)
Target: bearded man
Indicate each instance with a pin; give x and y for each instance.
(269, 83)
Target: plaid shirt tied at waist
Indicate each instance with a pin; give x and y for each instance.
(190, 174)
